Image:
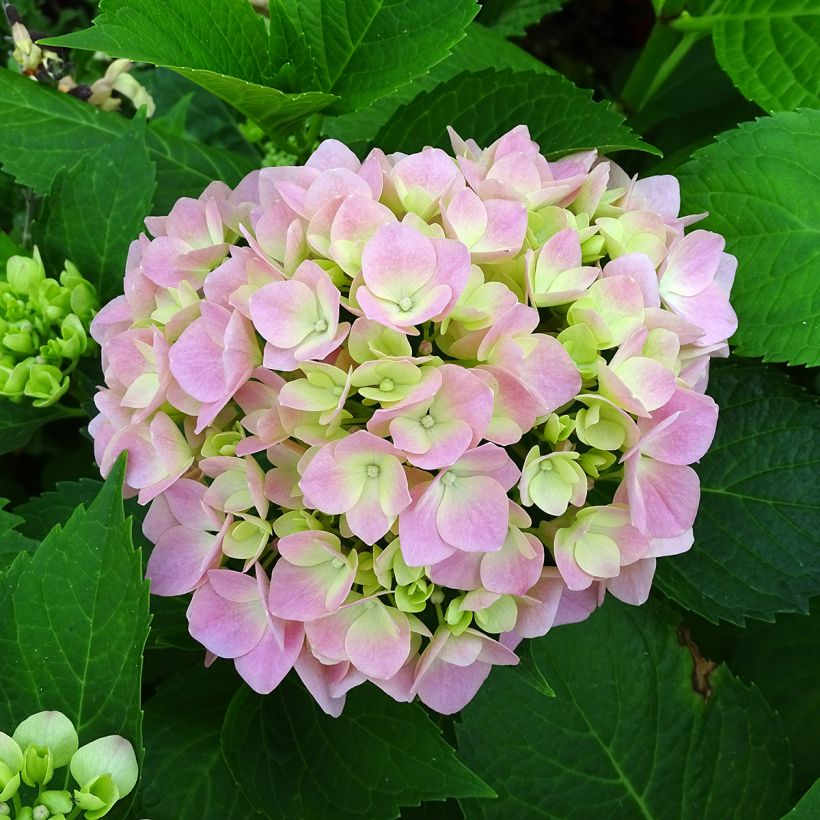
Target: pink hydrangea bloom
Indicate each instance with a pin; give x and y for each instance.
(369, 403)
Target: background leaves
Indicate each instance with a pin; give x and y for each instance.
(73, 622)
(485, 104)
(755, 551)
(626, 735)
(377, 756)
(97, 208)
(756, 183)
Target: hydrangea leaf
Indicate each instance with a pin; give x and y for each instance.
(481, 48)
(19, 422)
(43, 512)
(753, 182)
(292, 760)
(12, 540)
(771, 50)
(74, 622)
(626, 734)
(486, 104)
(221, 45)
(774, 657)
(184, 775)
(97, 207)
(364, 50)
(809, 806)
(512, 17)
(33, 114)
(207, 119)
(755, 551)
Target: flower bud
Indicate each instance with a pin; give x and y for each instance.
(413, 597)
(106, 770)
(11, 762)
(26, 813)
(48, 740)
(40, 813)
(5, 811)
(552, 482)
(24, 273)
(56, 802)
(456, 618)
(46, 384)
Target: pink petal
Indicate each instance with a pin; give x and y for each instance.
(179, 560)
(473, 514)
(264, 667)
(378, 641)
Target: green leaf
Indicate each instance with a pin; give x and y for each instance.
(809, 806)
(184, 775)
(12, 540)
(481, 48)
(221, 45)
(626, 736)
(45, 131)
(753, 181)
(97, 207)
(755, 551)
(292, 760)
(8, 248)
(73, 638)
(207, 119)
(484, 105)
(43, 512)
(361, 50)
(511, 17)
(781, 659)
(19, 422)
(771, 50)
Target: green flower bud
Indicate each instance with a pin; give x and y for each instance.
(499, 617)
(13, 380)
(21, 338)
(5, 811)
(97, 797)
(247, 538)
(11, 762)
(456, 618)
(40, 813)
(25, 273)
(580, 343)
(413, 597)
(594, 462)
(558, 428)
(56, 802)
(46, 384)
(295, 521)
(48, 739)
(73, 336)
(221, 443)
(107, 771)
(26, 813)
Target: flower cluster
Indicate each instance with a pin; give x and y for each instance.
(105, 770)
(43, 329)
(394, 416)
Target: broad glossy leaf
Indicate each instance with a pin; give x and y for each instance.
(73, 622)
(361, 50)
(755, 551)
(292, 760)
(626, 735)
(97, 207)
(757, 183)
(771, 50)
(512, 17)
(220, 44)
(483, 105)
(184, 775)
(12, 540)
(45, 131)
(481, 48)
(781, 659)
(809, 806)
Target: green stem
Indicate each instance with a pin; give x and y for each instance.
(74, 812)
(18, 804)
(702, 25)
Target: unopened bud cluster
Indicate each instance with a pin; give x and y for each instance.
(104, 770)
(43, 329)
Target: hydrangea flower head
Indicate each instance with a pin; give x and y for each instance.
(369, 401)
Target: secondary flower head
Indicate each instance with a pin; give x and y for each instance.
(370, 403)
